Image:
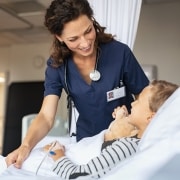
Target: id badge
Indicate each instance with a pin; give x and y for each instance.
(116, 93)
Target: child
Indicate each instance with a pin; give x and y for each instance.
(116, 149)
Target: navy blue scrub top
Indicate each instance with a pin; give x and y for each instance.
(116, 63)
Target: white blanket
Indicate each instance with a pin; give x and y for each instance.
(79, 153)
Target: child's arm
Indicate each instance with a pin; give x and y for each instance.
(98, 166)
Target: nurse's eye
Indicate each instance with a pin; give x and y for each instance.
(88, 31)
(73, 39)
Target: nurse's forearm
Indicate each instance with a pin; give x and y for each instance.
(37, 130)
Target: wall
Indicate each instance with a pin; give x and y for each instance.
(158, 39)
(1, 112)
(4, 59)
(22, 63)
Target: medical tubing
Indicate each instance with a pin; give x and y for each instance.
(53, 145)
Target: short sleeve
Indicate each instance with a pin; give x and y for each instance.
(53, 82)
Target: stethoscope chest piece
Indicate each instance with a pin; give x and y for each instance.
(95, 75)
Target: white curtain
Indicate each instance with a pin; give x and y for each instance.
(120, 17)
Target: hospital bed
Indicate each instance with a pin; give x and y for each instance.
(59, 128)
(158, 155)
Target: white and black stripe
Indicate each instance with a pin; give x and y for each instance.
(98, 166)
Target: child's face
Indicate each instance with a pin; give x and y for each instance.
(140, 112)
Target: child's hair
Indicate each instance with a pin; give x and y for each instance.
(161, 91)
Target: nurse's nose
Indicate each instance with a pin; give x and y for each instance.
(84, 43)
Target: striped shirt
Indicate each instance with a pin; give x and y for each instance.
(100, 165)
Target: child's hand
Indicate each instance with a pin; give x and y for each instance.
(120, 112)
(56, 150)
(120, 127)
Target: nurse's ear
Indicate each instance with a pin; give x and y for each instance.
(59, 39)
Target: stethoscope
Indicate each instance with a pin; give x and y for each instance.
(94, 76)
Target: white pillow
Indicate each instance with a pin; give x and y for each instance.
(165, 124)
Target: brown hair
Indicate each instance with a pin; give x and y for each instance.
(61, 12)
(161, 91)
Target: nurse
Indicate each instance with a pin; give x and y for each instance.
(98, 72)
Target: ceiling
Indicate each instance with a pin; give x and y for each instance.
(21, 21)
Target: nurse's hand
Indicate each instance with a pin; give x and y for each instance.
(18, 156)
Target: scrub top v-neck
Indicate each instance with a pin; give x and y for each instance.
(116, 63)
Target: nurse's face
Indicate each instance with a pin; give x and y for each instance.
(79, 36)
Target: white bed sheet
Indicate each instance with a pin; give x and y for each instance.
(158, 156)
(79, 153)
